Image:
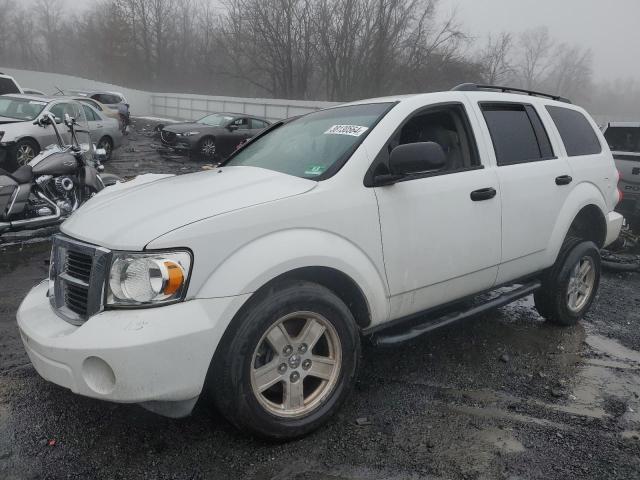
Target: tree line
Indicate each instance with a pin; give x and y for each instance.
(298, 49)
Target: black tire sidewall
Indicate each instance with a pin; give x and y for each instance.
(559, 311)
(236, 399)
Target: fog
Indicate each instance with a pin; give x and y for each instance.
(610, 29)
(338, 49)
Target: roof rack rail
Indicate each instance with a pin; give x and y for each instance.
(474, 87)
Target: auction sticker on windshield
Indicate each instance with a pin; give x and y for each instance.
(353, 130)
(315, 170)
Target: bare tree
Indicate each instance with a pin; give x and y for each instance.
(572, 70)
(536, 46)
(49, 15)
(497, 59)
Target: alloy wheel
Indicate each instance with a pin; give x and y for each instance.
(581, 284)
(24, 154)
(296, 364)
(208, 148)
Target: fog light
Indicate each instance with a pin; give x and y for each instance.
(98, 375)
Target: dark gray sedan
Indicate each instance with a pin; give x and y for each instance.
(214, 136)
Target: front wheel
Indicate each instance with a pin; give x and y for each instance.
(289, 364)
(569, 288)
(26, 150)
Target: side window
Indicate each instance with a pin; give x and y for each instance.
(258, 124)
(60, 109)
(91, 116)
(241, 122)
(446, 125)
(517, 133)
(576, 132)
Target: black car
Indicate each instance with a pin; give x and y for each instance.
(214, 136)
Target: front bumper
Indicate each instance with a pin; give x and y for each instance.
(131, 356)
(614, 225)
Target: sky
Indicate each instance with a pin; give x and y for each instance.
(610, 28)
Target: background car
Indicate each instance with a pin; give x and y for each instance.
(624, 141)
(21, 139)
(33, 91)
(8, 85)
(105, 130)
(100, 107)
(114, 101)
(214, 136)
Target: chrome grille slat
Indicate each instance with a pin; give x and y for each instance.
(77, 278)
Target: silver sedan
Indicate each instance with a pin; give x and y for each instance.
(21, 138)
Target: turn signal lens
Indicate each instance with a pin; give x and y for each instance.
(175, 278)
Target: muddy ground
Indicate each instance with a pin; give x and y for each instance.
(504, 395)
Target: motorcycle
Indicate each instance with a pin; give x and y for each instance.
(56, 182)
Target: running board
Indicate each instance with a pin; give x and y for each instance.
(382, 339)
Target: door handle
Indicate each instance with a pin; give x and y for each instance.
(564, 180)
(483, 194)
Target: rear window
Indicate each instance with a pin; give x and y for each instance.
(517, 133)
(623, 139)
(107, 98)
(576, 132)
(7, 85)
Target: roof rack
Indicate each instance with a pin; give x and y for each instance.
(473, 87)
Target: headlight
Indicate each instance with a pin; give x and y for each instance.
(189, 134)
(141, 279)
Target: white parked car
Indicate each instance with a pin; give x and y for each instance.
(256, 281)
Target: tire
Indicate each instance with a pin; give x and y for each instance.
(207, 148)
(570, 286)
(107, 144)
(26, 149)
(234, 378)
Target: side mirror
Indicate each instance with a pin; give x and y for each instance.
(232, 128)
(414, 158)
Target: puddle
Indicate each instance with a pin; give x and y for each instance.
(503, 440)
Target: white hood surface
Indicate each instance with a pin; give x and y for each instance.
(130, 218)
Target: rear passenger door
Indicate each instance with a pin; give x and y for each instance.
(534, 184)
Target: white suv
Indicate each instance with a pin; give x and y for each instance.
(255, 282)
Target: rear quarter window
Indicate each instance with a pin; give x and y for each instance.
(576, 131)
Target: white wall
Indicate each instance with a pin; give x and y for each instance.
(47, 82)
(171, 105)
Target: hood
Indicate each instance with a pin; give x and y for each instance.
(187, 127)
(4, 120)
(130, 218)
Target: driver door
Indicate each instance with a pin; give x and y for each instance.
(237, 131)
(441, 240)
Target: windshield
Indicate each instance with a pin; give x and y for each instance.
(20, 108)
(623, 139)
(215, 120)
(311, 145)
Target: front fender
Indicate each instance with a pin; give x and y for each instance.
(582, 195)
(265, 258)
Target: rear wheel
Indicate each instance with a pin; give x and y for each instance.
(26, 149)
(289, 364)
(569, 288)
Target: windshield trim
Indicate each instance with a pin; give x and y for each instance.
(341, 161)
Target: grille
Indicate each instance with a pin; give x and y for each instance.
(77, 276)
(168, 137)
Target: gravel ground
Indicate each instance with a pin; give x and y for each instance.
(504, 395)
